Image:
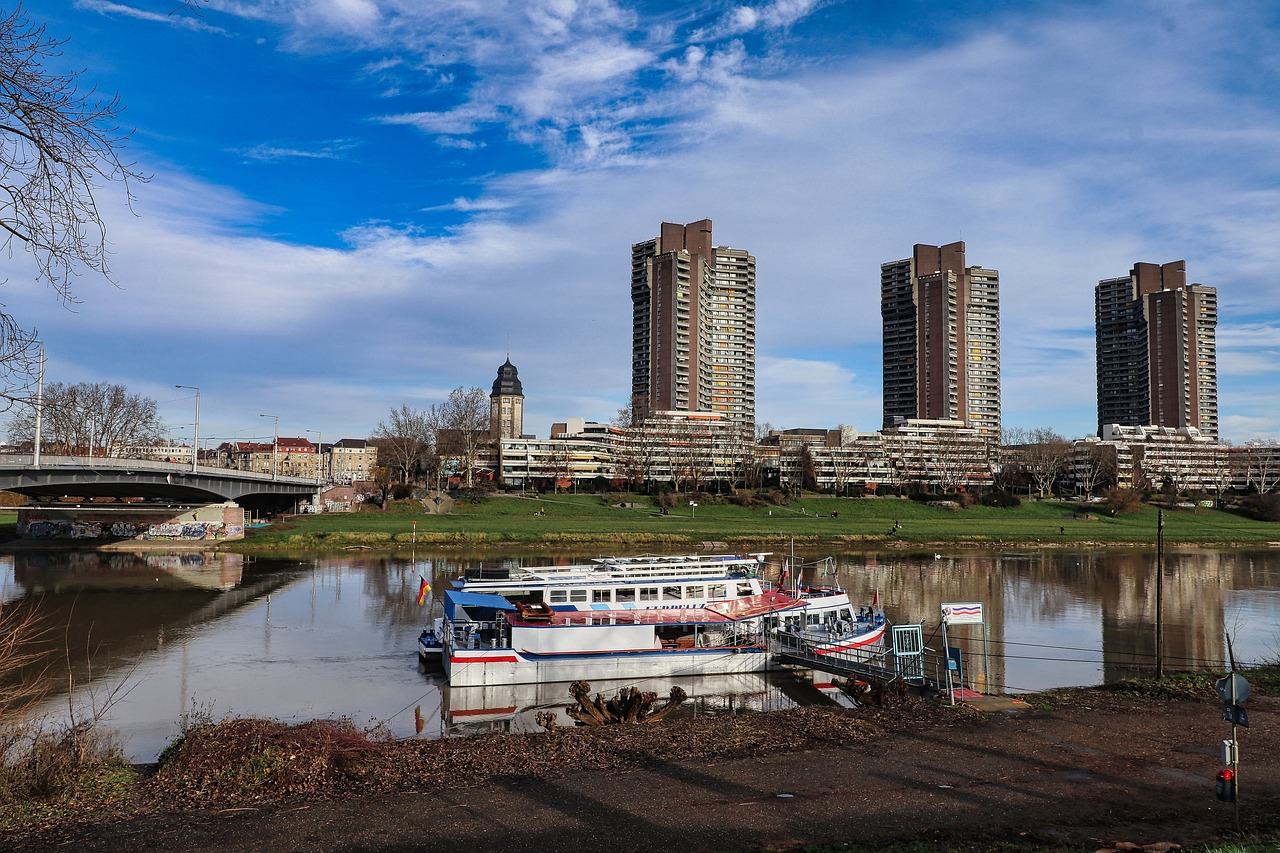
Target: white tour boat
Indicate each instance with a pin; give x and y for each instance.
(629, 617)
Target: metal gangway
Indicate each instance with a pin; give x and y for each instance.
(906, 659)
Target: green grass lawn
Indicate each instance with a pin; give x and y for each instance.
(567, 519)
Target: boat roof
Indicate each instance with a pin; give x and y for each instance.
(453, 599)
(722, 612)
(639, 568)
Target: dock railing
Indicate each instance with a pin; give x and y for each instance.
(924, 670)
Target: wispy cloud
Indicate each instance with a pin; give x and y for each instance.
(333, 150)
(175, 19)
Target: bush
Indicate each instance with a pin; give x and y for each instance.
(1001, 500)
(258, 759)
(1122, 501)
(1262, 507)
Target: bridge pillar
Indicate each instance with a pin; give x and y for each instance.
(96, 523)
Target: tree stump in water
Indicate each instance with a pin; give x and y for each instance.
(881, 694)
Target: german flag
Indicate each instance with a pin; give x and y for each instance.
(423, 589)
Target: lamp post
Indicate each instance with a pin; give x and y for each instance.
(195, 434)
(35, 457)
(275, 445)
(319, 449)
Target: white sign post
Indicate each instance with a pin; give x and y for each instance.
(964, 613)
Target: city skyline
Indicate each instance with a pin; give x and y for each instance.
(362, 205)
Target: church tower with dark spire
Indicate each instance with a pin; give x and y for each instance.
(506, 404)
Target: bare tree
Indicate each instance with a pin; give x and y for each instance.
(405, 439)
(1044, 457)
(561, 466)
(1262, 463)
(1097, 469)
(627, 454)
(59, 145)
(464, 428)
(100, 417)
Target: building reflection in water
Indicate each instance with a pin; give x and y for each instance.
(1057, 618)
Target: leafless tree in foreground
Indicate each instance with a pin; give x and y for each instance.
(59, 146)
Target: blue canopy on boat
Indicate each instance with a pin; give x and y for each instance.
(453, 599)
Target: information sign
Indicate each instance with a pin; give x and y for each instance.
(962, 613)
(1236, 715)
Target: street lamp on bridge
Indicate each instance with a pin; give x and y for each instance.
(319, 450)
(195, 435)
(275, 445)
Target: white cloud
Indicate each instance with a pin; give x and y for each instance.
(1062, 148)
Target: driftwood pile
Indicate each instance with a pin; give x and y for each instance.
(630, 706)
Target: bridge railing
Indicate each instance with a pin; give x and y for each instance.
(26, 461)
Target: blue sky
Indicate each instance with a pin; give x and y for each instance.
(358, 204)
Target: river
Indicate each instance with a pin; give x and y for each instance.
(156, 640)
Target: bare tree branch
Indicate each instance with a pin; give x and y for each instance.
(59, 145)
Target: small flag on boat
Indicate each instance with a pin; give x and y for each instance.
(875, 599)
(782, 578)
(418, 723)
(423, 589)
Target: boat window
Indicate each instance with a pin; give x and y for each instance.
(845, 614)
(559, 596)
(695, 592)
(716, 590)
(648, 593)
(744, 589)
(672, 593)
(626, 593)
(601, 595)
(577, 595)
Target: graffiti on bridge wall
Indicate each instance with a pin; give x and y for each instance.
(43, 527)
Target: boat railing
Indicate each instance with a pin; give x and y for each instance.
(492, 634)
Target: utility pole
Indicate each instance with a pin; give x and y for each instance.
(1160, 593)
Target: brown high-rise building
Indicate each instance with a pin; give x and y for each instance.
(941, 343)
(1157, 357)
(693, 344)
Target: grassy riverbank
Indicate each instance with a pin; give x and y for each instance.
(630, 523)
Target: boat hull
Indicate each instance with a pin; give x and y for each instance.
(483, 667)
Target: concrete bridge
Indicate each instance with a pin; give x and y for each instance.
(103, 477)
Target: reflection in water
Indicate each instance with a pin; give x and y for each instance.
(336, 636)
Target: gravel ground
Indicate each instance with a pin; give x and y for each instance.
(1096, 770)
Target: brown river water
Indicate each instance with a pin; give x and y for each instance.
(156, 640)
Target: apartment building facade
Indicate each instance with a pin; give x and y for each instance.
(1157, 350)
(693, 324)
(941, 339)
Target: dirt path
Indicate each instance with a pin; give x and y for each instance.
(1123, 771)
